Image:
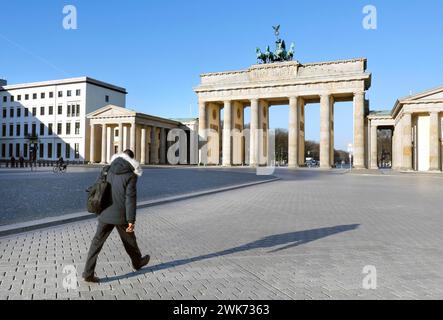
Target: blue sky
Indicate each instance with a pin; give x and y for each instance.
(157, 49)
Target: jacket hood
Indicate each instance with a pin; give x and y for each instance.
(121, 163)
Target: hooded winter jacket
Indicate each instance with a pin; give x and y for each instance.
(122, 175)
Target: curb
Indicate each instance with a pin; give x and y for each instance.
(84, 215)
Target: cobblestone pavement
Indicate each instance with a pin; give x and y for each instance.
(308, 236)
(28, 196)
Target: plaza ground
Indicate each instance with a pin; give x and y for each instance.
(28, 196)
(307, 236)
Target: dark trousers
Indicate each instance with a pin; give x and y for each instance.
(103, 232)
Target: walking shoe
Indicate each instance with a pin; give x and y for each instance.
(143, 262)
(92, 279)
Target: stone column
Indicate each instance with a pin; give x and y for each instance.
(331, 130)
(92, 145)
(104, 129)
(434, 142)
(132, 138)
(202, 126)
(374, 151)
(293, 133)
(407, 142)
(120, 137)
(253, 146)
(227, 129)
(301, 132)
(162, 145)
(359, 130)
(154, 147)
(109, 143)
(143, 146)
(125, 137)
(325, 132)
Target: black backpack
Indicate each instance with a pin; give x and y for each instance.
(99, 194)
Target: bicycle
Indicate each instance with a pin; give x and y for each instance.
(60, 168)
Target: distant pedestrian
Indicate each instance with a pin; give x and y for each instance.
(12, 162)
(122, 175)
(21, 160)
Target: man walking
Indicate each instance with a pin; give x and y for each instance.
(122, 176)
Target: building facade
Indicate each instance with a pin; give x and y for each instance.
(50, 117)
(283, 83)
(114, 129)
(415, 123)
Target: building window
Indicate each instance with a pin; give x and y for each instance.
(77, 128)
(60, 94)
(11, 147)
(34, 96)
(34, 130)
(42, 151)
(51, 94)
(116, 133)
(68, 93)
(106, 98)
(68, 128)
(42, 129)
(50, 129)
(19, 97)
(5, 112)
(77, 150)
(77, 110)
(11, 113)
(19, 112)
(26, 96)
(78, 92)
(26, 129)
(26, 112)
(59, 128)
(51, 110)
(5, 99)
(42, 111)
(3, 130)
(42, 95)
(25, 150)
(12, 98)
(69, 110)
(68, 151)
(3, 150)
(18, 130)
(59, 150)
(60, 109)
(34, 111)
(49, 150)
(17, 150)
(11, 130)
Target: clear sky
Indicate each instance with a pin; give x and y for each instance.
(157, 49)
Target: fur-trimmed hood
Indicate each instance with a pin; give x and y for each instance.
(119, 167)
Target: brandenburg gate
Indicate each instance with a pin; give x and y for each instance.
(281, 83)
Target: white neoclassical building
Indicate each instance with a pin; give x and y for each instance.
(416, 125)
(81, 120)
(52, 116)
(114, 129)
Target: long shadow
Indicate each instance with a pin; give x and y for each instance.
(287, 240)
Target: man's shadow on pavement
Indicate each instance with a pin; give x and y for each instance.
(288, 240)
